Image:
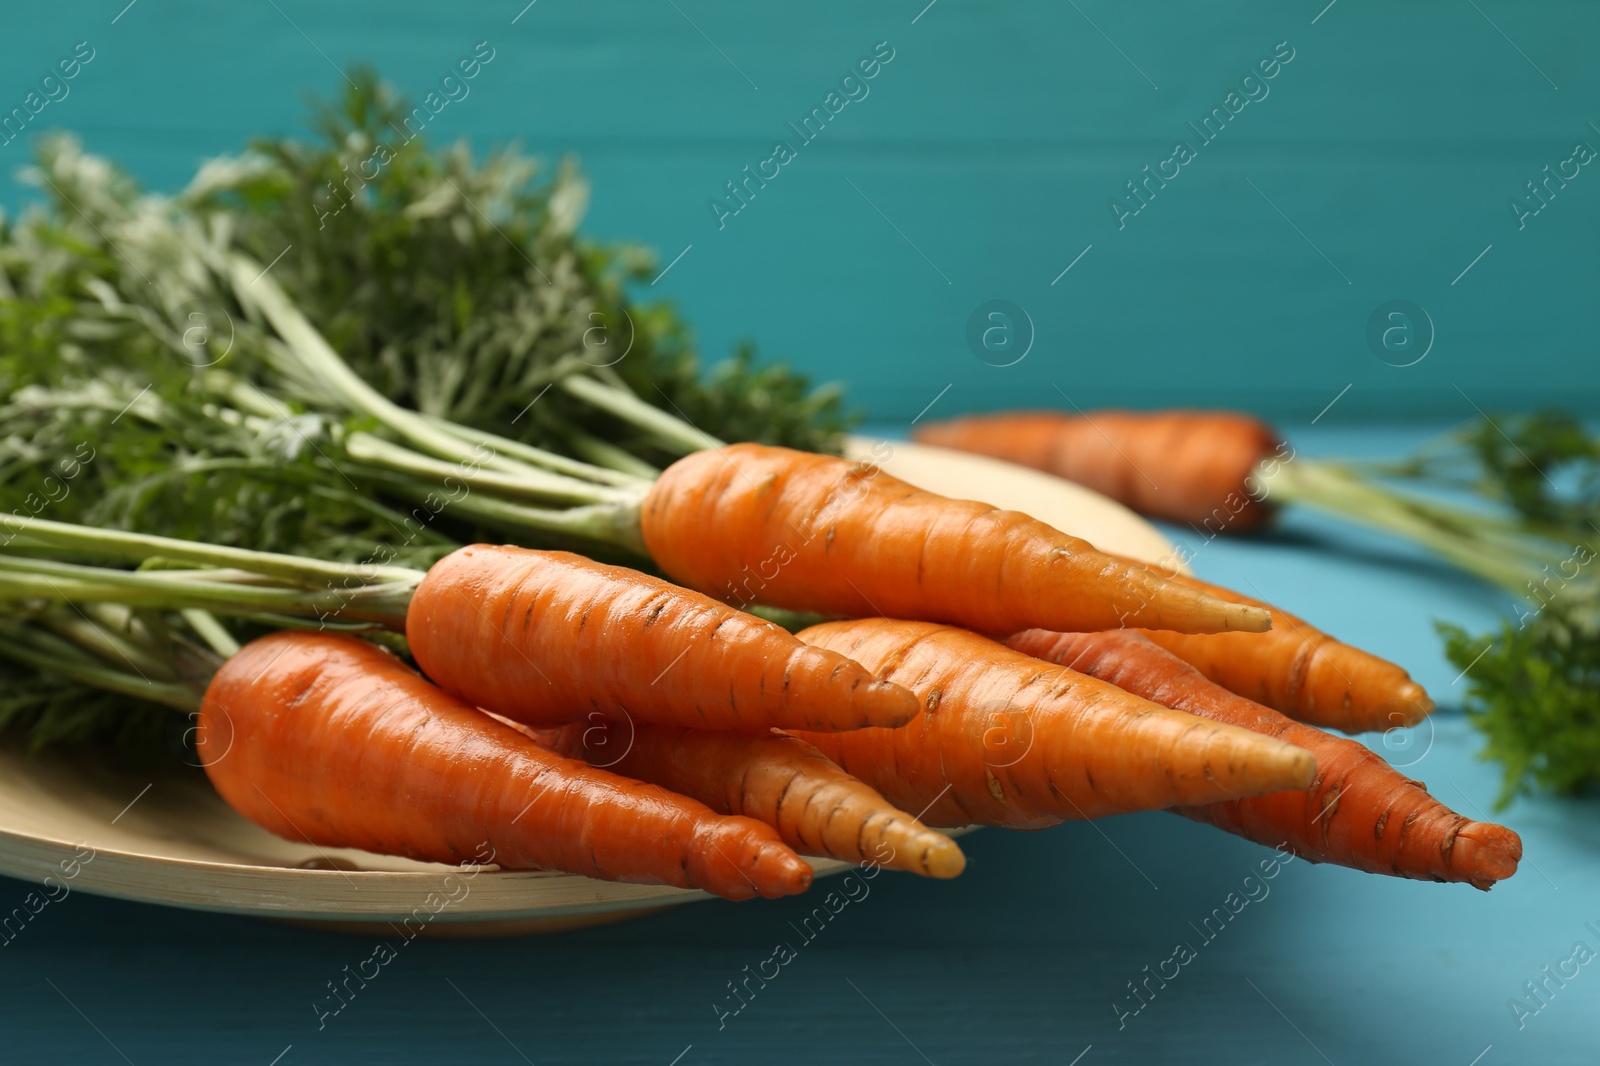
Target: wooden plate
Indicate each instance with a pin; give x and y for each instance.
(173, 841)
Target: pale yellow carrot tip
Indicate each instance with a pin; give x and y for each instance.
(1300, 766)
(943, 859)
(1248, 619)
(1188, 610)
(1409, 705)
(923, 851)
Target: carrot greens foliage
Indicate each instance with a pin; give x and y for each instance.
(1534, 693)
(299, 353)
(464, 289)
(1534, 685)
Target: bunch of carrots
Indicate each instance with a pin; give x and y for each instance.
(987, 670)
(972, 665)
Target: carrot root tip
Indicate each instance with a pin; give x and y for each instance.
(1409, 705)
(1303, 765)
(945, 860)
(1484, 853)
(778, 871)
(1252, 619)
(887, 705)
(786, 871)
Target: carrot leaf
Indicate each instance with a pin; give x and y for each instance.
(1534, 694)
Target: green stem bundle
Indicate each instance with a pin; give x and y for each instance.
(1494, 551)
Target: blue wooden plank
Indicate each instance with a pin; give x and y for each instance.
(1392, 144)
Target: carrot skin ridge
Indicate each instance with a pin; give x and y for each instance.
(1359, 812)
(818, 533)
(1180, 465)
(1005, 740)
(781, 780)
(1298, 670)
(548, 638)
(328, 739)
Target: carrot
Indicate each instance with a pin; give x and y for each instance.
(328, 739)
(1359, 812)
(1005, 740)
(1301, 671)
(817, 808)
(1185, 466)
(548, 637)
(815, 533)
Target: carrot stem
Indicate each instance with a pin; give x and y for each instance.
(530, 484)
(628, 407)
(615, 524)
(106, 642)
(213, 632)
(45, 651)
(299, 570)
(559, 464)
(609, 455)
(311, 353)
(1327, 487)
(42, 579)
(563, 478)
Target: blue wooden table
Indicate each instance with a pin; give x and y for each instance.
(1027, 957)
(1383, 165)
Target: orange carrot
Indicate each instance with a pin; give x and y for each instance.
(1359, 812)
(817, 808)
(815, 533)
(1303, 672)
(1185, 466)
(331, 740)
(548, 637)
(1005, 740)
